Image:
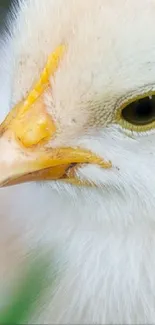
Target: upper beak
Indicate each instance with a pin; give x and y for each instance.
(25, 133)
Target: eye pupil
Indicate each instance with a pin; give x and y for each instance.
(144, 108)
(140, 112)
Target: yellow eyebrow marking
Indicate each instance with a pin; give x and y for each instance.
(49, 70)
(29, 119)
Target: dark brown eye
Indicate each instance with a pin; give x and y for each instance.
(140, 112)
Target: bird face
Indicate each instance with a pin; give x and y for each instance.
(83, 94)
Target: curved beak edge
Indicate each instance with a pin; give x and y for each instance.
(19, 164)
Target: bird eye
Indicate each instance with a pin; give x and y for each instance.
(138, 115)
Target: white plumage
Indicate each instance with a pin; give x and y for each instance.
(103, 238)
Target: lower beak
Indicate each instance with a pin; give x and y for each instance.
(19, 164)
(26, 131)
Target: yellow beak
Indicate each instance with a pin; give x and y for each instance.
(25, 132)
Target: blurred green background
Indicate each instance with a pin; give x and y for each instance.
(4, 7)
(4, 3)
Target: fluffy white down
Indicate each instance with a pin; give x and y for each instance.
(103, 239)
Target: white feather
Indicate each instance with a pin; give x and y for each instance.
(104, 238)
